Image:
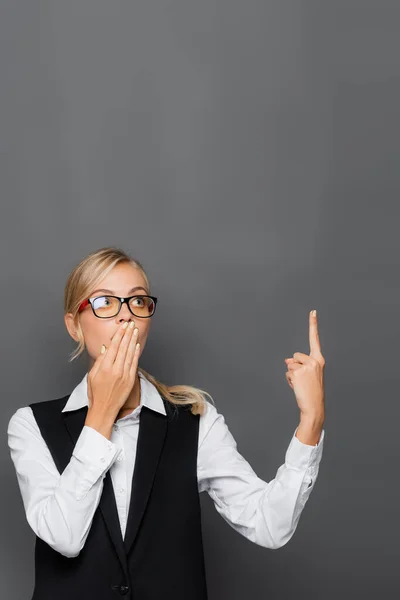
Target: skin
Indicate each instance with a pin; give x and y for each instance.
(305, 372)
(97, 332)
(305, 375)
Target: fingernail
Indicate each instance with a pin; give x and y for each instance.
(125, 325)
(103, 349)
(314, 313)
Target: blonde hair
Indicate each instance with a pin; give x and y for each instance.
(80, 283)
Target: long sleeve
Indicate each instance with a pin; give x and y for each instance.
(59, 508)
(266, 513)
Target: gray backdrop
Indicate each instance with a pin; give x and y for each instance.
(232, 147)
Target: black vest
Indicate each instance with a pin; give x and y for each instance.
(161, 555)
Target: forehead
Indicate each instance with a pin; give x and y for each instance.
(121, 280)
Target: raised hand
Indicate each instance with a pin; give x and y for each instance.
(305, 376)
(113, 375)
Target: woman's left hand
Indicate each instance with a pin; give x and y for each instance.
(305, 376)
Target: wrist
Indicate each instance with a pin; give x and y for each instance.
(313, 419)
(310, 429)
(101, 421)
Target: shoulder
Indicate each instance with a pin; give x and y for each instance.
(210, 413)
(48, 406)
(210, 420)
(21, 430)
(24, 416)
(21, 416)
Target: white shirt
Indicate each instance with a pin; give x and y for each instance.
(60, 508)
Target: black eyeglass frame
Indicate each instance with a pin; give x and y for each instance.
(121, 301)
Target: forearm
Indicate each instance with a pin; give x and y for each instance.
(310, 429)
(266, 513)
(281, 504)
(62, 516)
(59, 507)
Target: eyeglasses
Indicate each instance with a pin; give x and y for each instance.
(105, 307)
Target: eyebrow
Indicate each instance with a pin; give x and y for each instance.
(138, 287)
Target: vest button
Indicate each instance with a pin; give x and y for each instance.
(122, 589)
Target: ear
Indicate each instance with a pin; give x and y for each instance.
(69, 324)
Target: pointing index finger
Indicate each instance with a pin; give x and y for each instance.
(315, 346)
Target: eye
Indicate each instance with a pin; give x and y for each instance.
(138, 299)
(101, 301)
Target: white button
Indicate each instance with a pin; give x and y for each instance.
(78, 497)
(120, 458)
(102, 459)
(121, 490)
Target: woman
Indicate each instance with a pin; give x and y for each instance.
(110, 474)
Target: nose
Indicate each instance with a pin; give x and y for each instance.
(125, 314)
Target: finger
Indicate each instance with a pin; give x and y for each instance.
(89, 393)
(97, 363)
(130, 354)
(123, 348)
(112, 349)
(315, 346)
(300, 357)
(289, 380)
(294, 366)
(135, 361)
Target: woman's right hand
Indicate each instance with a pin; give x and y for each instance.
(113, 375)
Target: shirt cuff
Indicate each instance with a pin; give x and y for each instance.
(302, 456)
(95, 452)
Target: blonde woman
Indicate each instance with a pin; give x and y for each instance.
(110, 474)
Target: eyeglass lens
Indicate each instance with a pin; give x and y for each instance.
(108, 306)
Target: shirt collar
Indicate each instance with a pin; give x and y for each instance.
(149, 396)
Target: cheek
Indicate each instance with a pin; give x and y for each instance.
(143, 332)
(95, 335)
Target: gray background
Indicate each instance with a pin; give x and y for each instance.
(234, 148)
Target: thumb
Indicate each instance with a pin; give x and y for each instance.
(98, 361)
(93, 371)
